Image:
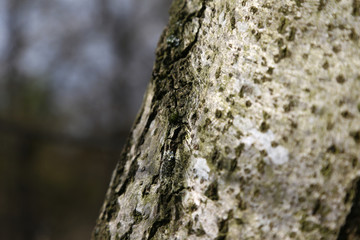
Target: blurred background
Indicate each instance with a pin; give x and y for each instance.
(72, 77)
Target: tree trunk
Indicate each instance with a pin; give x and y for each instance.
(250, 127)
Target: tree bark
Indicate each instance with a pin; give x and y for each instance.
(250, 127)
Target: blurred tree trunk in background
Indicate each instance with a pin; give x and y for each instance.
(250, 127)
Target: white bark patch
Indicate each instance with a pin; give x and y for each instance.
(208, 219)
(201, 169)
(242, 26)
(112, 229)
(277, 155)
(222, 19)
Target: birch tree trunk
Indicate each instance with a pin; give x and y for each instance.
(250, 127)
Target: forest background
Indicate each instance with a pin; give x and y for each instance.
(72, 78)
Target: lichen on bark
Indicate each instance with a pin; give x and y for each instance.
(249, 128)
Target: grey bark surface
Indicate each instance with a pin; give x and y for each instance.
(250, 127)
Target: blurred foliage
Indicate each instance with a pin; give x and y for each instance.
(28, 99)
(72, 76)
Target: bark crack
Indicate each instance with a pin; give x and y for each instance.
(351, 227)
(200, 15)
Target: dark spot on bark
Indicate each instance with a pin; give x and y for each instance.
(200, 232)
(230, 100)
(212, 191)
(325, 65)
(218, 72)
(146, 190)
(284, 9)
(326, 170)
(332, 149)
(353, 35)
(336, 48)
(223, 227)
(215, 155)
(292, 33)
(233, 22)
(227, 150)
(265, 79)
(313, 109)
(257, 81)
(253, 10)
(264, 126)
(322, 4)
(354, 161)
(316, 207)
(239, 149)
(340, 79)
(356, 8)
(248, 103)
(280, 42)
(329, 125)
(258, 36)
(293, 124)
(137, 216)
(308, 226)
(283, 24)
(284, 52)
(245, 89)
(266, 115)
(207, 123)
(330, 27)
(261, 166)
(263, 62)
(174, 118)
(292, 235)
(242, 204)
(218, 113)
(290, 106)
(256, 193)
(346, 114)
(233, 164)
(270, 70)
(299, 2)
(356, 136)
(229, 115)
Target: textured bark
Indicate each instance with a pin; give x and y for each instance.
(250, 127)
